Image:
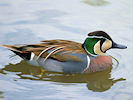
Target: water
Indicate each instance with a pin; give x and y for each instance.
(30, 21)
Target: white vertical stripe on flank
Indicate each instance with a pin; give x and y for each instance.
(88, 60)
(32, 56)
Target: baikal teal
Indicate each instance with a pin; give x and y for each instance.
(69, 56)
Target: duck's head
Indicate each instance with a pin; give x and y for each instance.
(98, 42)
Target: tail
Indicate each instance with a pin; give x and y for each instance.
(18, 50)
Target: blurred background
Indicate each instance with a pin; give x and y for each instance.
(30, 21)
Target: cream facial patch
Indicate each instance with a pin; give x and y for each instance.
(97, 49)
(106, 45)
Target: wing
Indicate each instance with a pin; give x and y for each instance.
(61, 50)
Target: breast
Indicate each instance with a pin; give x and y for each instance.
(100, 63)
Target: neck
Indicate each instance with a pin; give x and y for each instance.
(91, 56)
(89, 45)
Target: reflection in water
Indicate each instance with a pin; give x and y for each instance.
(1, 93)
(98, 82)
(96, 2)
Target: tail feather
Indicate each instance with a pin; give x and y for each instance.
(12, 48)
(17, 51)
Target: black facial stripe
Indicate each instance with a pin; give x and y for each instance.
(101, 43)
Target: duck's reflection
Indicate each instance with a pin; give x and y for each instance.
(1, 95)
(98, 82)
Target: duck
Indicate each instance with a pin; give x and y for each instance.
(68, 56)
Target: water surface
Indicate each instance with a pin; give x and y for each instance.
(30, 21)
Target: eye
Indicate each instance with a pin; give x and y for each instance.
(107, 44)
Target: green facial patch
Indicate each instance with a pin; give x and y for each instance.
(89, 44)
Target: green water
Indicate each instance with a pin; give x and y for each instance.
(30, 21)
